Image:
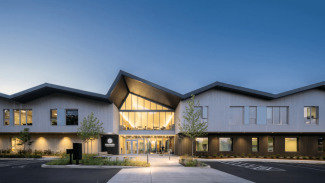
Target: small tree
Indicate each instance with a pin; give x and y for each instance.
(192, 126)
(90, 129)
(24, 137)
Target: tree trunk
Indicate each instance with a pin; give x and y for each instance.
(192, 148)
(91, 147)
(87, 147)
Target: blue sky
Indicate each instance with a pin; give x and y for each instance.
(272, 46)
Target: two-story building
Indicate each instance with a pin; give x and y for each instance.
(141, 117)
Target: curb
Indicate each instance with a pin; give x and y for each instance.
(19, 158)
(89, 166)
(269, 160)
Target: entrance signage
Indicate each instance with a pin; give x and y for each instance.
(110, 143)
(76, 151)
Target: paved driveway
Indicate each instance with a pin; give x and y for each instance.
(270, 172)
(18, 171)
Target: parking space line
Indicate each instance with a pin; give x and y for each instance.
(296, 166)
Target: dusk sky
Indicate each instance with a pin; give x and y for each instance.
(271, 46)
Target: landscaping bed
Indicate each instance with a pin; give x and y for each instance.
(89, 159)
(277, 156)
(191, 162)
(19, 156)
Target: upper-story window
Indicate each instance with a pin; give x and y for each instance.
(137, 113)
(23, 117)
(252, 115)
(71, 117)
(54, 117)
(6, 116)
(277, 115)
(204, 111)
(311, 115)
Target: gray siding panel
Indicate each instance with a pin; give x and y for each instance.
(261, 115)
(61, 117)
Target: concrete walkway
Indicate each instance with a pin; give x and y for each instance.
(164, 170)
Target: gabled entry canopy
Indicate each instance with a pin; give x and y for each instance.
(126, 83)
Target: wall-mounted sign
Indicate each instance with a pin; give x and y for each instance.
(110, 143)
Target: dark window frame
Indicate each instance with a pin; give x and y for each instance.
(4, 117)
(66, 117)
(232, 144)
(255, 145)
(273, 139)
(52, 119)
(320, 139)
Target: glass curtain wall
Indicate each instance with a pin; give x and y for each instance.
(146, 144)
(138, 113)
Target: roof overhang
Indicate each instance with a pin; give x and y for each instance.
(127, 83)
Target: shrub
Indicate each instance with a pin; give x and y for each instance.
(310, 157)
(228, 156)
(272, 156)
(256, 155)
(214, 155)
(249, 155)
(235, 156)
(278, 156)
(318, 157)
(291, 156)
(242, 155)
(304, 157)
(285, 156)
(221, 155)
(298, 157)
(265, 156)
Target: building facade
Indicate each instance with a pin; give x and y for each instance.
(141, 117)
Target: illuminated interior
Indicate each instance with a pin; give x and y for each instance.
(138, 113)
(144, 144)
(291, 144)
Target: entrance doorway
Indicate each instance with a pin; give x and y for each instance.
(131, 146)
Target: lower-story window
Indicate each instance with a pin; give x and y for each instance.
(320, 145)
(202, 144)
(254, 144)
(225, 144)
(270, 144)
(291, 144)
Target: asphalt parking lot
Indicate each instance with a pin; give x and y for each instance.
(268, 172)
(31, 172)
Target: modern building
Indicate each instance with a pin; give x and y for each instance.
(142, 117)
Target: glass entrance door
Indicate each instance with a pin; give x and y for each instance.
(131, 146)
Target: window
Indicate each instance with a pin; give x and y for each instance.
(225, 144)
(23, 117)
(291, 144)
(270, 144)
(252, 115)
(202, 144)
(6, 116)
(311, 115)
(71, 117)
(134, 102)
(236, 115)
(13, 144)
(254, 144)
(205, 112)
(54, 117)
(277, 115)
(320, 145)
(137, 113)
